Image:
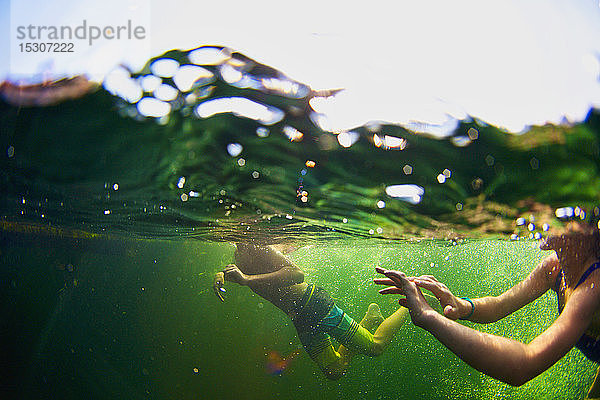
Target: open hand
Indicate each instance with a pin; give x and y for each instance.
(453, 306)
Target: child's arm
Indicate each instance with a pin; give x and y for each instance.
(286, 276)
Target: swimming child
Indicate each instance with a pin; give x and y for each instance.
(317, 319)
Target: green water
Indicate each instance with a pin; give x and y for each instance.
(112, 225)
(137, 319)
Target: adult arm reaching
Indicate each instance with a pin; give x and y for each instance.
(490, 308)
(505, 359)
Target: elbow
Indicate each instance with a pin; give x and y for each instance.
(513, 377)
(519, 375)
(516, 381)
(298, 276)
(522, 378)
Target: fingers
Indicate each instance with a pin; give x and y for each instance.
(384, 271)
(219, 279)
(219, 295)
(412, 283)
(428, 277)
(393, 285)
(451, 312)
(398, 278)
(383, 281)
(230, 270)
(387, 272)
(393, 272)
(394, 278)
(230, 267)
(434, 287)
(218, 289)
(391, 290)
(389, 282)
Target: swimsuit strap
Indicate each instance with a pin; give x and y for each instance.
(559, 280)
(562, 278)
(587, 272)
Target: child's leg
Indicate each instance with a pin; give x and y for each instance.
(321, 351)
(370, 322)
(356, 339)
(388, 328)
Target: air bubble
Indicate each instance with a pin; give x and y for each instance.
(234, 149)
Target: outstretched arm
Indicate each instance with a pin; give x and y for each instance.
(538, 282)
(490, 308)
(286, 276)
(505, 359)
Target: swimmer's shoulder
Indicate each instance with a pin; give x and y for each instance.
(256, 259)
(550, 269)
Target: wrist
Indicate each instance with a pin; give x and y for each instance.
(468, 308)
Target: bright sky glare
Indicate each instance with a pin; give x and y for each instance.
(511, 63)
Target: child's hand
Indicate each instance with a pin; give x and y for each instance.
(218, 282)
(234, 274)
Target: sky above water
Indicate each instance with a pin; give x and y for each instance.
(509, 63)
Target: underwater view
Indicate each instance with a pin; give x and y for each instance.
(121, 200)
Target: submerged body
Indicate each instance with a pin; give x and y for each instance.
(314, 314)
(269, 274)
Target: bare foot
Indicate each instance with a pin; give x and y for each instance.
(373, 318)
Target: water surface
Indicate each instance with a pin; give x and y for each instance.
(115, 215)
